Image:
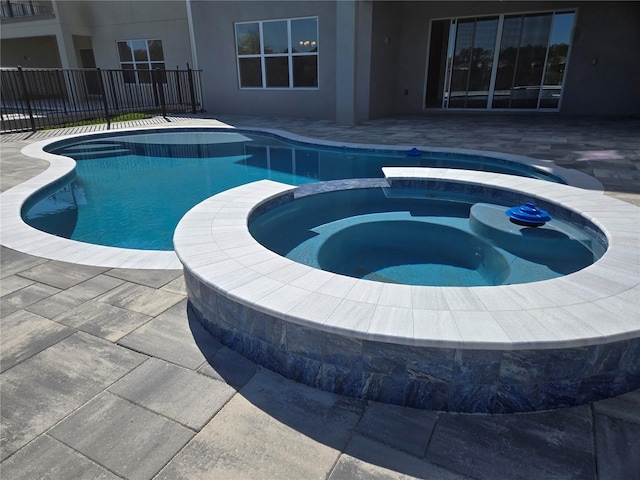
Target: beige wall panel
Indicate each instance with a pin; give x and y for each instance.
(215, 39)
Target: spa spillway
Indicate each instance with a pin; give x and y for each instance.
(502, 341)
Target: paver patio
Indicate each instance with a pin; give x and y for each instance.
(105, 376)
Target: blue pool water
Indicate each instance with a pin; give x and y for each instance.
(365, 233)
(131, 189)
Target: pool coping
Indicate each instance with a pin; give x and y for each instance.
(599, 304)
(17, 235)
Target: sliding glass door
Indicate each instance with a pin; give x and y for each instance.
(472, 63)
(499, 62)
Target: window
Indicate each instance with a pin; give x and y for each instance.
(140, 56)
(499, 62)
(278, 53)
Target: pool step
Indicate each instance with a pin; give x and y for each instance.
(96, 150)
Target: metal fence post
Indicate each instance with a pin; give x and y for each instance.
(114, 95)
(23, 84)
(63, 93)
(103, 94)
(178, 86)
(192, 92)
(157, 82)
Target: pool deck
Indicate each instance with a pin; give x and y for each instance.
(105, 376)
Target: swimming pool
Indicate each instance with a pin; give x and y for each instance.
(131, 189)
(506, 348)
(421, 237)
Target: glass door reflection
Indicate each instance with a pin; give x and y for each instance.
(500, 62)
(472, 62)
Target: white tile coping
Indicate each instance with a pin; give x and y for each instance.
(598, 304)
(19, 236)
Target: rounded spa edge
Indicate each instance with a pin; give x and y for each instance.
(509, 348)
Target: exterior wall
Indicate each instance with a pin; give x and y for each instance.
(604, 30)
(382, 72)
(105, 22)
(215, 39)
(33, 52)
(385, 53)
(609, 34)
(165, 20)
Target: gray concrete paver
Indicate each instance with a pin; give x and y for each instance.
(46, 457)
(140, 298)
(184, 396)
(172, 337)
(95, 286)
(127, 439)
(25, 334)
(42, 390)
(103, 320)
(176, 286)
(542, 445)
(13, 283)
(617, 446)
(366, 459)
(625, 407)
(402, 428)
(55, 305)
(228, 366)
(273, 429)
(14, 262)
(26, 296)
(149, 278)
(64, 301)
(60, 274)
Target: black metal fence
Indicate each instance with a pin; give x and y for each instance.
(34, 99)
(25, 8)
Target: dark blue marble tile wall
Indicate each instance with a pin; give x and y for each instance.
(461, 380)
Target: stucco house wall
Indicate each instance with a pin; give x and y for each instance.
(605, 31)
(372, 60)
(215, 40)
(166, 20)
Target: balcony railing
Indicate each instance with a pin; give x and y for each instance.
(26, 8)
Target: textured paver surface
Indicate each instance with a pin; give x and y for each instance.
(105, 376)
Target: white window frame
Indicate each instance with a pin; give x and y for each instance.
(289, 55)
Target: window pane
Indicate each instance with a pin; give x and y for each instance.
(304, 35)
(139, 50)
(531, 55)
(161, 76)
(143, 72)
(484, 44)
(277, 71)
(507, 61)
(128, 75)
(556, 60)
(248, 38)
(305, 71)
(461, 62)
(125, 52)
(275, 37)
(250, 72)
(155, 51)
